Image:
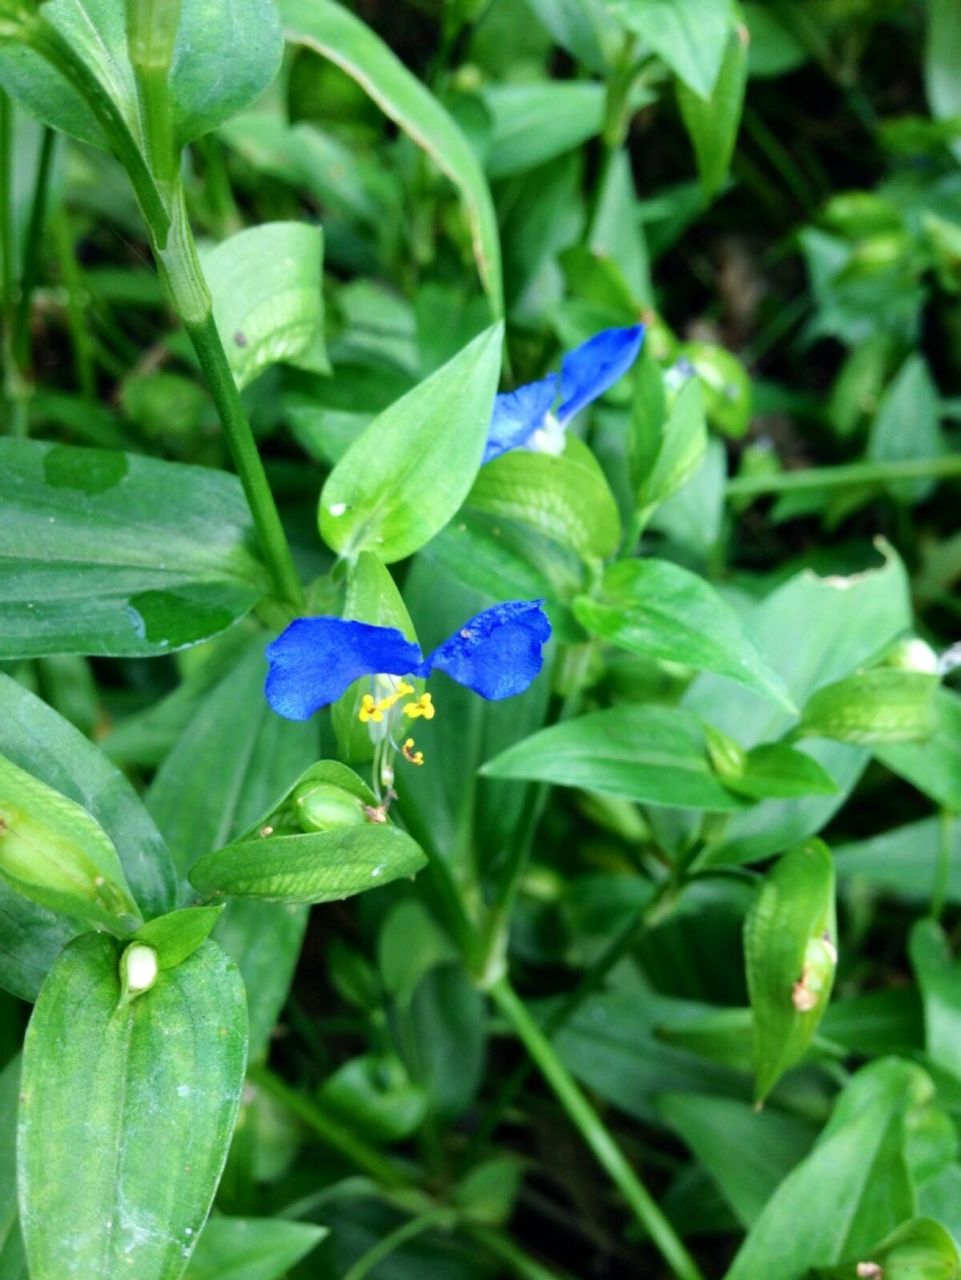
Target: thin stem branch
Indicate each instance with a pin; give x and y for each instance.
(939, 891)
(331, 1131)
(388, 1244)
(595, 1133)
(865, 473)
(80, 337)
(30, 273)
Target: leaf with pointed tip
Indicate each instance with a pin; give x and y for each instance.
(660, 610)
(652, 754)
(402, 480)
(323, 866)
(119, 555)
(332, 30)
(126, 1112)
(37, 739)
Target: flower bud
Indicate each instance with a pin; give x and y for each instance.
(139, 967)
(321, 806)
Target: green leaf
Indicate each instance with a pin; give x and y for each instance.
(534, 123)
(665, 452)
(790, 949)
(505, 559)
(336, 33)
(409, 945)
(933, 766)
(126, 1113)
(903, 862)
(690, 35)
(660, 610)
(119, 555)
(38, 740)
(938, 976)
(566, 498)
(712, 124)
(846, 623)
(54, 853)
(920, 1249)
(176, 936)
(376, 1098)
(264, 940)
(224, 57)
(47, 746)
(612, 1045)
(653, 754)
(268, 304)
(853, 1187)
(880, 706)
(227, 53)
(226, 770)
(11, 1244)
(776, 771)
(401, 481)
(906, 426)
(745, 1151)
(251, 1248)
(321, 866)
(582, 27)
(443, 1036)
(941, 55)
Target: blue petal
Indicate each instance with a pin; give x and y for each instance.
(498, 653)
(595, 365)
(316, 659)
(518, 414)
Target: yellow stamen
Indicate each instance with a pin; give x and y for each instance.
(369, 710)
(424, 706)
(373, 709)
(411, 756)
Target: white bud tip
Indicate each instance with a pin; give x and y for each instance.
(140, 968)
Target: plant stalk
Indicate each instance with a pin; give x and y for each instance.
(947, 467)
(181, 272)
(30, 273)
(595, 1133)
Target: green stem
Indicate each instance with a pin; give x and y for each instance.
(81, 341)
(181, 272)
(30, 273)
(594, 1133)
(333, 1133)
(939, 891)
(505, 1250)
(7, 282)
(151, 37)
(617, 118)
(395, 1239)
(943, 468)
(568, 1005)
(60, 53)
(494, 940)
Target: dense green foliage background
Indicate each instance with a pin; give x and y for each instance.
(626, 933)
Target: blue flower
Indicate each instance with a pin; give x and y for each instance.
(522, 419)
(497, 654)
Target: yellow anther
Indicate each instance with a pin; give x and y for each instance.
(422, 707)
(404, 688)
(411, 756)
(369, 710)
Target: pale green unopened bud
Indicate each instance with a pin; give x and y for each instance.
(727, 756)
(320, 806)
(913, 654)
(138, 971)
(53, 851)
